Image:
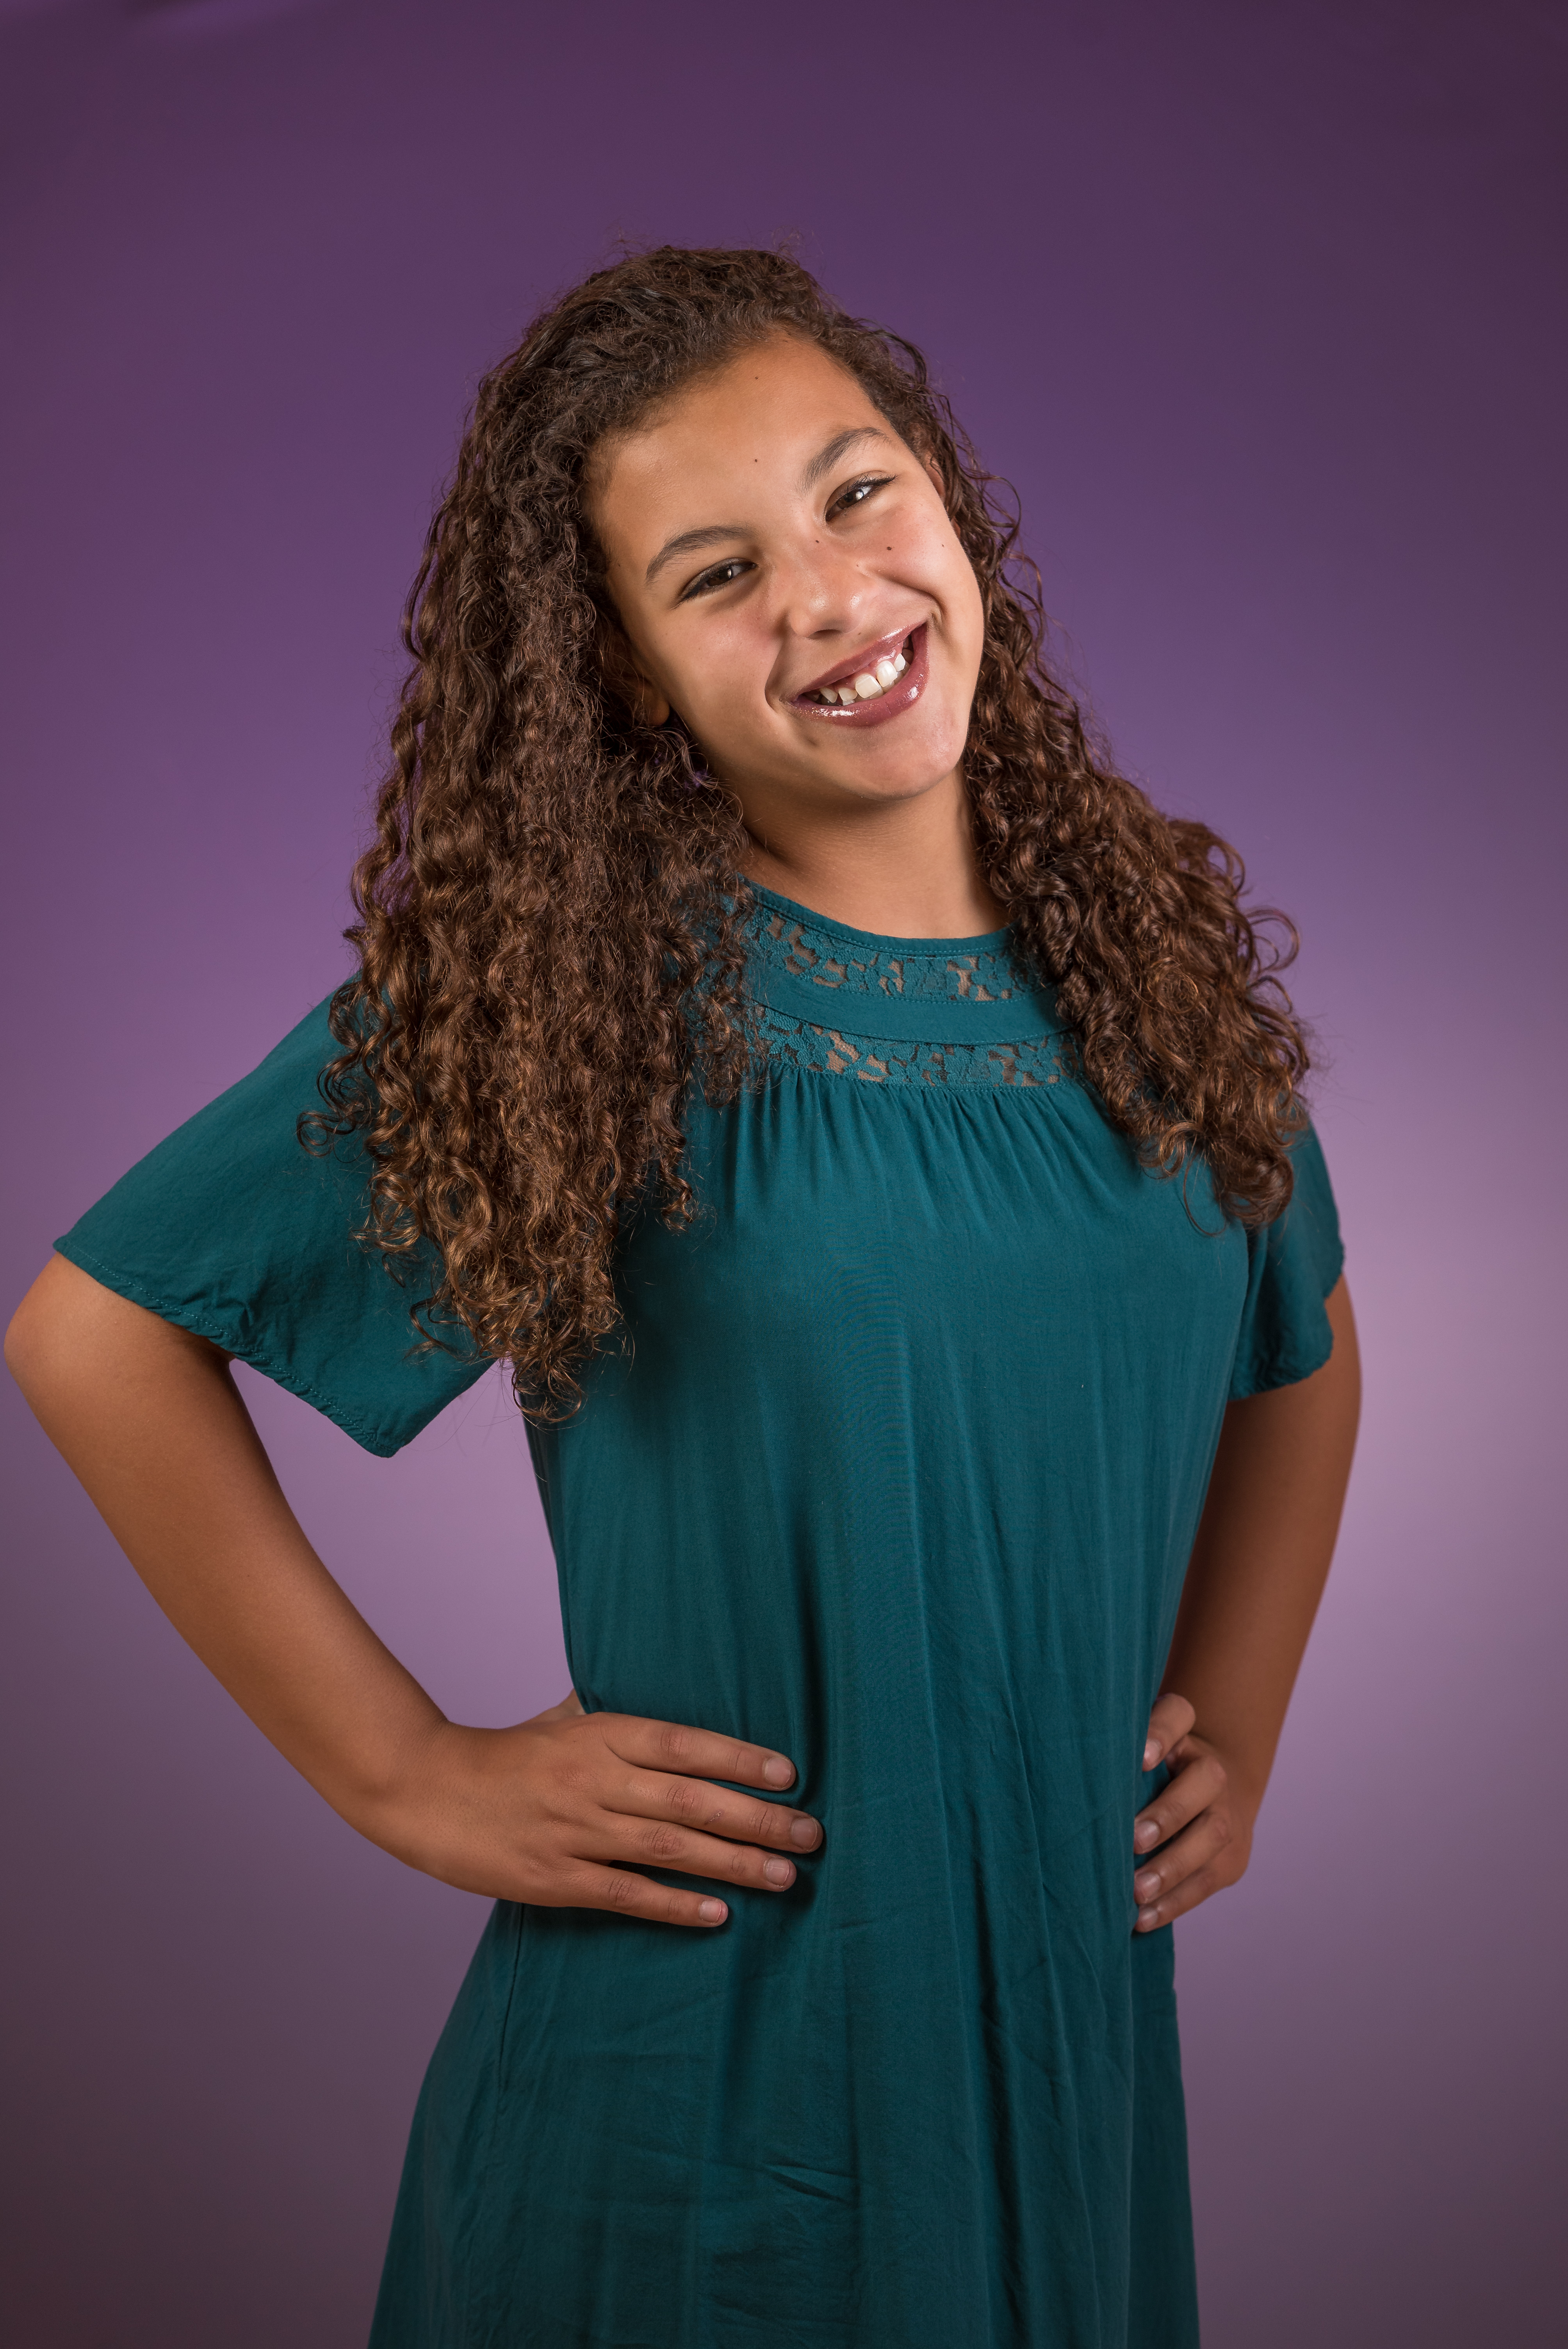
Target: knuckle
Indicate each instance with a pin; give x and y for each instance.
(622, 1890)
(685, 1798)
(675, 1741)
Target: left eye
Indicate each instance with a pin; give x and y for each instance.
(858, 492)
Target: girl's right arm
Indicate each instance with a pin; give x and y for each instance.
(558, 1811)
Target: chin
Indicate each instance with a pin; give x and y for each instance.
(899, 773)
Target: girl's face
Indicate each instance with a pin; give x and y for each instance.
(788, 581)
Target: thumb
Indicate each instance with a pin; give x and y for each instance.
(1169, 1719)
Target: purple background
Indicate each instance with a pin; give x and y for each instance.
(1261, 308)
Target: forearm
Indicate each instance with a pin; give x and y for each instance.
(1261, 1556)
(565, 1810)
(150, 1418)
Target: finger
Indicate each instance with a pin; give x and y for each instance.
(697, 1752)
(1193, 1789)
(1169, 1719)
(631, 1894)
(1192, 1851)
(717, 1810)
(1186, 1896)
(653, 1843)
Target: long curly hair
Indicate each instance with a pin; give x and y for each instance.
(551, 930)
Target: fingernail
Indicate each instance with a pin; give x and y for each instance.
(1146, 1835)
(778, 1871)
(1147, 1916)
(1145, 1887)
(1151, 1754)
(712, 1912)
(779, 1773)
(804, 1831)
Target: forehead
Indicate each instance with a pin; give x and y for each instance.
(749, 427)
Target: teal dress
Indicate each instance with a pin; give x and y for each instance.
(899, 1474)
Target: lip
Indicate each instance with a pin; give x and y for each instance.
(891, 703)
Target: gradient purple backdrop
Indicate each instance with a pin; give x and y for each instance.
(1262, 311)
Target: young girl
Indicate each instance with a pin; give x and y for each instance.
(870, 1134)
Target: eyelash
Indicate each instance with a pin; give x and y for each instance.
(706, 580)
(868, 481)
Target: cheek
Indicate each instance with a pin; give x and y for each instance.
(722, 689)
(970, 614)
(936, 562)
(964, 588)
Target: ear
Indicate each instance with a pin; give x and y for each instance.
(626, 678)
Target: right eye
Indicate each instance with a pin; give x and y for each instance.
(722, 574)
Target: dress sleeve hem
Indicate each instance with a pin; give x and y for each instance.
(185, 1316)
(1292, 1363)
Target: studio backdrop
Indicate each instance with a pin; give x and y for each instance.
(1261, 312)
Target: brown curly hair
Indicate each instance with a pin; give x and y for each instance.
(551, 922)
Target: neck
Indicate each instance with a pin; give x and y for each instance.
(902, 869)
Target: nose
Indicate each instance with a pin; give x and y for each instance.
(822, 588)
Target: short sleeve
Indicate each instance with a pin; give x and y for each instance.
(233, 1230)
(1294, 1262)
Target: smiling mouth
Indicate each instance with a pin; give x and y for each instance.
(880, 680)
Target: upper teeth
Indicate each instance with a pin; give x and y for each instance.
(866, 684)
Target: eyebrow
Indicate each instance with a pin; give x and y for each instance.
(715, 534)
(826, 459)
(718, 533)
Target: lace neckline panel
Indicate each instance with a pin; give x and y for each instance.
(844, 1002)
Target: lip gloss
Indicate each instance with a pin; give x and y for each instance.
(892, 702)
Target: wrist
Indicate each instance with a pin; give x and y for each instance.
(1245, 1786)
(390, 1795)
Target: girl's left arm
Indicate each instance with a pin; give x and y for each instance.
(1257, 1572)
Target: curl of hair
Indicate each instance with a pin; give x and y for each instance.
(550, 919)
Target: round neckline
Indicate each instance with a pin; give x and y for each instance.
(983, 942)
